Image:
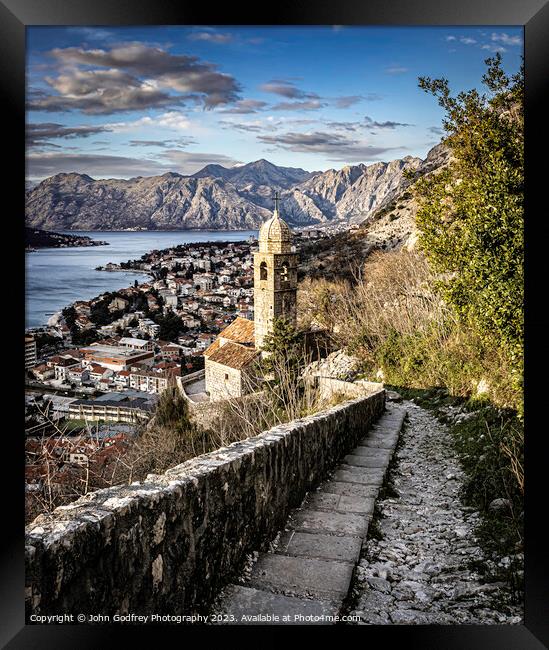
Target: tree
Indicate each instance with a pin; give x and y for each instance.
(283, 341)
(285, 357)
(471, 213)
(172, 408)
(171, 326)
(69, 315)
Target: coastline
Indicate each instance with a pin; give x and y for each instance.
(57, 278)
(116, 268)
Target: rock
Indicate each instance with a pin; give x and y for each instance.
(393, 396)
(499, 505)
(238, 197)
(461, 531)
(55, 320)
(337, 365)
(482, 387)
(379, 584)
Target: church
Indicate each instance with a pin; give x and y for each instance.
(229, 361)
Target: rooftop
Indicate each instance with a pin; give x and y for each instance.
(115, 352)
(241, 330)
(234, 355)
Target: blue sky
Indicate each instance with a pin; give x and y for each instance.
(140, 101)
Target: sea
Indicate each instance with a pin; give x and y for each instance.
(57, 277)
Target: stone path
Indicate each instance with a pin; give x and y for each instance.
(308, 573)
(420, 572)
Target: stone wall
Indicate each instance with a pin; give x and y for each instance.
(167, 544)
(222, 382)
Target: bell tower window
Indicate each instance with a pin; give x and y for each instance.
(263, 271)
(284, 273)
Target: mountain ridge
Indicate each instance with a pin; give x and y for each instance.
(216, 197)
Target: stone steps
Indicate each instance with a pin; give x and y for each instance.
(308, 575)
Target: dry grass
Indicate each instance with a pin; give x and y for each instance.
(393, 318)
(269, 403)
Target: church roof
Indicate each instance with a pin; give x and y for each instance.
(234, 355)
(212, 348)
(275, 229)
(241, 330)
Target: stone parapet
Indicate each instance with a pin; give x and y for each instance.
(169, 543)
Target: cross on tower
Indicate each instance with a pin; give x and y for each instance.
(276, 200)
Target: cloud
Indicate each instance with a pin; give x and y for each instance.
(181, 142)
(493, 48)
(173, 120)
(243, 126)
(436, 130)
(372, 124)
(345, 126)
(186, 162)
(269, 124)
(92, 33)
(312, 105)
(287, 89)
(349, 100)
(97, 92)
(396, 69)
(132, 76)
(96, 165)
(211, 37)
(334, 146)
(41, 165)
(506, 39)
(244, 106)
(498, 42)
(40, 133)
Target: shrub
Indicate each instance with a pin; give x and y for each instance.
(471, 213)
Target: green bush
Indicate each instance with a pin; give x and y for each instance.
(471, 213)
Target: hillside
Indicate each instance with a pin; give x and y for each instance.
(35, 238)
(388, 227)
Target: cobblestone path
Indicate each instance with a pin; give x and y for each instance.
(420, 572)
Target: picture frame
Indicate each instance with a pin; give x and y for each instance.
(17, 15)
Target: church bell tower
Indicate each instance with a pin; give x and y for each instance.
(275, 277)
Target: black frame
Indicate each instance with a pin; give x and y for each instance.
(15, 15)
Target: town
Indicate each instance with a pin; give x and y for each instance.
(124, 348)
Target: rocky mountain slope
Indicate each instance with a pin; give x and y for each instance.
(388, 227)
(216, 197)
(393, 224)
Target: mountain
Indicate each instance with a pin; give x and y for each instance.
(255, 174)
(390, 226)
(393, 224)
(347, 194)
(216, 197)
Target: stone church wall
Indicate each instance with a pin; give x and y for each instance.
(167, 544)
(223, 382)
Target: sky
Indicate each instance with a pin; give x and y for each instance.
(122, 102)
